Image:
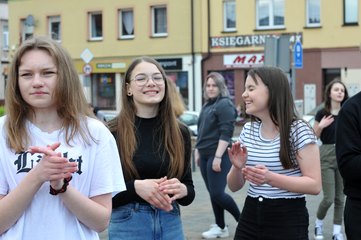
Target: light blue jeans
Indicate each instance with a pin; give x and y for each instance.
(142, 221)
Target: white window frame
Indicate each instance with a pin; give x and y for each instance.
(350, 12)
(92, 35)
(121, 20)
(229, 12)
(51, 20)
(272, 11)
(153, 10)
(313, 10)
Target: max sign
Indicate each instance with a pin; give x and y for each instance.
(243, 60)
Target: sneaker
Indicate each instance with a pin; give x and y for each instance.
(337, 236)
(318, 233)
(216, 232)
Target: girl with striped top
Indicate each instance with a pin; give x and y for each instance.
(277, 154)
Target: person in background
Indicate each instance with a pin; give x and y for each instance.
(348, 153)
(215, 131)
(155, 151)
(278, 155)
(332, 185)
(58, 167)
(176, 99)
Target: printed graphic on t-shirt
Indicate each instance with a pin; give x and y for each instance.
(27, 161)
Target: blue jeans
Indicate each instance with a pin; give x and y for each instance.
(144, 222)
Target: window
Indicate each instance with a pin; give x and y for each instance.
(26, 30)
(54, 28)
(5, 36)
(313, 13)
(96, 26)
(126, 23)
(270, 14)
(159, 21)
(350, 12)
(229, 15)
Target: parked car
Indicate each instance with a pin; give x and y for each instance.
(190, 118)
(106, 115)
(309, 118)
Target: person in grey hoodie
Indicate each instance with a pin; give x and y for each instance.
(215, 131)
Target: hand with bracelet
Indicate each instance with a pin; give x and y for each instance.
(54, 168)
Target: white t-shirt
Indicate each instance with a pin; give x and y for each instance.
(99, 172)
(265, 152)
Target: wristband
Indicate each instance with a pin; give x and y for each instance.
(62, 189)
(217, 157)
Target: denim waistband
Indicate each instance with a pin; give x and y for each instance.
(144, 206)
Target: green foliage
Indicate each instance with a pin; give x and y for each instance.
(2, 111)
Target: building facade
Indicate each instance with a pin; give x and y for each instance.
(191, 38)
(328, 33)
(103, 38)
(4, 48)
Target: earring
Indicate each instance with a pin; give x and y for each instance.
(129, 94)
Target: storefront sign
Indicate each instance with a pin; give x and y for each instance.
(243, 60)
(247, 40)
(110, 65)
(171, 63)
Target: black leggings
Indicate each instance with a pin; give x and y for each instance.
(216, 183)
(273, 219)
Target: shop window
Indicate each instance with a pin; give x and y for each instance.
(181, 81)
(270, 14)
(103, 88)
(126, 23)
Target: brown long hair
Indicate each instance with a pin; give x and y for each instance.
(170, 131)
(68, 95)
(281, 108)
(327, 93)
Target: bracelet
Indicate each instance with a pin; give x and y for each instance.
(217, 157)
(62, 189)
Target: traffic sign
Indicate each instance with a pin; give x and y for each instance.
(86, 55)
(298, 55)
(87, 69)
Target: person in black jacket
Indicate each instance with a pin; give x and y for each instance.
(215, 131)
(348, 153)
(155, 150)
(332, 185)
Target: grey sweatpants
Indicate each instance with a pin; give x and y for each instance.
(332, 185)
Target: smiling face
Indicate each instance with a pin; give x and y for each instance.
(152, 92)
(256, 97)
(37, 79)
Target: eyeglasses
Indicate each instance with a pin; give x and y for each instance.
(142, 79)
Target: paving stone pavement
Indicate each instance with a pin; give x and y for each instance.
(198, 216)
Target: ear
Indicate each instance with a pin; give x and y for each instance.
(129, 91)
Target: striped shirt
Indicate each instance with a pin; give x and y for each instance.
(266, 152)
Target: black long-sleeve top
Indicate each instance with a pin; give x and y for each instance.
(348, 145)
(151, 164)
